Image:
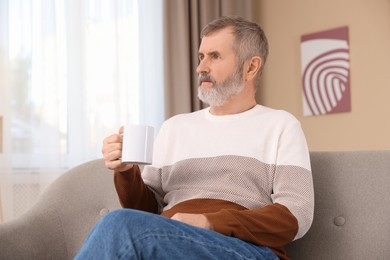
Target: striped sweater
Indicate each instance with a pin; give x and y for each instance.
(248, 173)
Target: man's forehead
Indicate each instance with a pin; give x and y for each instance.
(218, 41)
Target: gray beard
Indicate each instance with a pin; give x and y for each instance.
(220, 93)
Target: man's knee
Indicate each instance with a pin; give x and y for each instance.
(129, 220)
(118, 214)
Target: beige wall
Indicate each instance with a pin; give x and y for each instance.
(367, 126)
(1, 134)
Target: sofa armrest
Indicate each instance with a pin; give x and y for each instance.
(56, 226)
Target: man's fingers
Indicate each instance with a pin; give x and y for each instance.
(121, 130)
(108, 148)
(115, 138)
(112, 155)
(112, 152)
(112, 165)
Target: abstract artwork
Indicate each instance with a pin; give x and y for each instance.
(326, 72)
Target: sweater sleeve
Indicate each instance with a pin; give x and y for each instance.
(133, 192)
(273, 225)
(293, 182)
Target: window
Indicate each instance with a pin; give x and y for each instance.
(74, 75)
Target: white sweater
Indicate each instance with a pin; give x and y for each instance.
(255, 158)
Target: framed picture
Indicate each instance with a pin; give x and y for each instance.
(325, 69)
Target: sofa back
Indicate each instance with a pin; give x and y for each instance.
(352, 207)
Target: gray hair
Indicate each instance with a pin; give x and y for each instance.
(250, 39)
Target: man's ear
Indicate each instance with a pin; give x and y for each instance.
(253, 67)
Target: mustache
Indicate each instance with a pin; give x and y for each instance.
(205, 77)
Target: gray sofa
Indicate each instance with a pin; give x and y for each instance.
(352, 212)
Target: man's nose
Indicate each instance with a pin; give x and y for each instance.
(203, 67)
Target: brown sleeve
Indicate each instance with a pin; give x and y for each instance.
(273, 225)
(133, 192)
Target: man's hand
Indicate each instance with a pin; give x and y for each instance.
(112, 152)
(198, 220)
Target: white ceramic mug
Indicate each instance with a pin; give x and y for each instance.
(137, 146)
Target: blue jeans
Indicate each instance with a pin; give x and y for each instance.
(132, 234)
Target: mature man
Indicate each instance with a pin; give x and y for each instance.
(232, 181)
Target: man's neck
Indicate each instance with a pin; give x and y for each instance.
(230, 107)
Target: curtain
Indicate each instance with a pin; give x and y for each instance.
(183, 22)
(71, 73)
